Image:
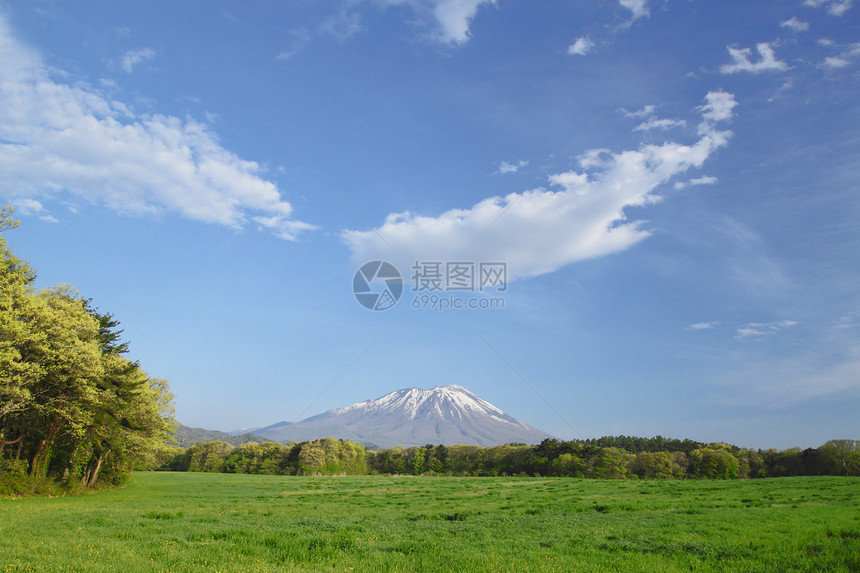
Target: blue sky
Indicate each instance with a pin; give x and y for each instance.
(672, 186)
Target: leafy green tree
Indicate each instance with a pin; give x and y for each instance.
(209, 456)
(842, 457)
(750, 464)
(71, 405)
(611, 463)
(783, 463)
(713, 464)
(655, 465)
(69, 361)
(16, 374)
(418, 460)
(568, 465)
(311, 458)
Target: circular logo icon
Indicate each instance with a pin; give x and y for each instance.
(377, 285)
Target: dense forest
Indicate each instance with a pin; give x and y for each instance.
(73, 409)
(608, 457)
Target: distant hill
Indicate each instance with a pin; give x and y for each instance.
(445, 415)
(189, 436)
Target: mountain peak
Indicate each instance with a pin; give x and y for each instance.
(446, 415)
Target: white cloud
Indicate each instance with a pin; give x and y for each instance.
(35, 208)
(795, 25)
(505, 167)
(850, 320)
(829, 369)
(451, 18)
(652, 122)
(646, 111)
(786, 85)
(718, 106)
(848, 54)
(58, 138)
(657, 123)
(28, 206)
(581, 47)
(741, 60)
(299, 38)
(585, 215)
(704, 180)
(835, 63)
(343, 25)
(702, 326)
(749, 260)
(835, 7)
(134, 57)
(593, 158)
(454, 18)
(759, 329)
(639, 8)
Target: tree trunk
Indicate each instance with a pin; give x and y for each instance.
(39, 463)
(20, 447)
(95, 474)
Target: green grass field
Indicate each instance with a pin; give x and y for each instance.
(224, 522)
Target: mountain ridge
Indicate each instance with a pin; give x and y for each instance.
(187, 436)
(444, 415)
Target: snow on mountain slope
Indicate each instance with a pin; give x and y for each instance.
(413, 417)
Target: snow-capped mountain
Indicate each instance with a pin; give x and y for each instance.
(412, 417)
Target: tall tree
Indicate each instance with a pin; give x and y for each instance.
(70, 404)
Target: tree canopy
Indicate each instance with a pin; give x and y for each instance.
(72, 407)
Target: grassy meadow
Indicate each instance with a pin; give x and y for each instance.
(227, 522)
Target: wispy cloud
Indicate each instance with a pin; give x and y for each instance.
(34, 208)
(505, 167)
(57, 138)
(581, 47)
(704, 180)
(660, 123)
(741, 61)
(134, 57)
(850, 320)
(702, 326)
(584, 216)
(451, 20)
(638, 8)
(835, 7)
(844, 58)
(829, 370)
(795, 25)
(834, 63)
(299, 38)
(760, 329)
(644, 112)
(342, 25)
(652, 122)
(454, 18)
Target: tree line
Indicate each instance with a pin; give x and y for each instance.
(73, 408)
(621, 457)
